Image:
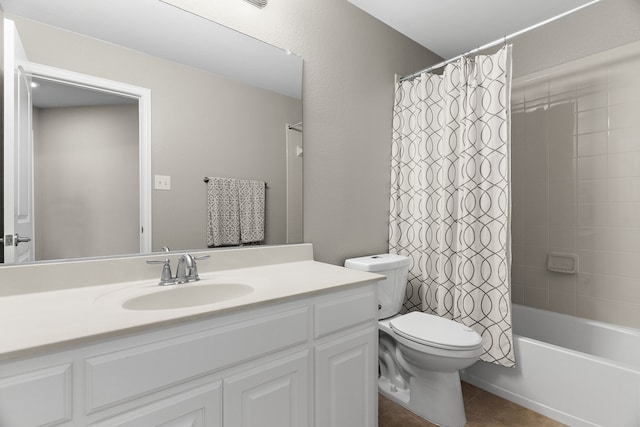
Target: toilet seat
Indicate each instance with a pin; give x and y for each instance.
(435, 331)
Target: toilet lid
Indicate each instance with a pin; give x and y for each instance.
(435, 331)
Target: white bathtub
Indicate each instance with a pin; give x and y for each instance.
(576, 371)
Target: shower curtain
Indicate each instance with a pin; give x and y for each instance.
(450, 195)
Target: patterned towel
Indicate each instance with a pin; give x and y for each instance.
(223, 225)
(251, 195)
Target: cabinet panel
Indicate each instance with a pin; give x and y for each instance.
(37, 398)
(199, 407)
(272, 395)
(346, 380)
(155, 366)
(342, 313)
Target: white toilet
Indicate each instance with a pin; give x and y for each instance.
(419, 354)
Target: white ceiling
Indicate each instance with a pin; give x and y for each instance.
(452, 27)
(160, 29)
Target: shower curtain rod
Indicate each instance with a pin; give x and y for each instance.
(504, 39)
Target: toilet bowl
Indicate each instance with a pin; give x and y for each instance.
(420, 354)
(430, 364)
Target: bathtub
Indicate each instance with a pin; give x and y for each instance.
(576, 371)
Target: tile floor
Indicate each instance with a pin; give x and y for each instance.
(483, 409)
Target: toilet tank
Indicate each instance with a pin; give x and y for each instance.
(391, 291)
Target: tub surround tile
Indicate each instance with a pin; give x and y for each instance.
(536, 278)
(562, 302)
(563, 212)
(536, 204)
(624, 140)
(593, 191)
(592, 215)
(611, 288)
(593, 262)
(621, 165)
(535, 256)
(517, 254)
(517, 274)
(562, 283)
(623, 214)
(562, 238)
(593, 167)
(593, 120)
(591, 308)
(625, 264)
(517, 294)
(624, 85)
(577, 135)
(592, 144)
(624, 115)
(536, 235)
(624, 314)
(590, 98)
(623, 190)
(536, 297)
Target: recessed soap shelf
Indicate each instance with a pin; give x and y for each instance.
(562, 263)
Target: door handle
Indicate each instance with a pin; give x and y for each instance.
(14, 240)
(18, 239)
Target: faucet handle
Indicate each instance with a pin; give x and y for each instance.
(166, 277)
(194, 270)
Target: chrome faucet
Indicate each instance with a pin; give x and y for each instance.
(187, 270)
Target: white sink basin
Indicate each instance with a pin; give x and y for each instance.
(188, 295)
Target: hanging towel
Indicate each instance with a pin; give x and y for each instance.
(223, 225)
(251, 195)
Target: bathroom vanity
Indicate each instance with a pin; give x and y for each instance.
(299, 350)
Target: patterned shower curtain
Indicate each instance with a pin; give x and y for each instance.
(450, 195)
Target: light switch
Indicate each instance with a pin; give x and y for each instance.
(162, 182)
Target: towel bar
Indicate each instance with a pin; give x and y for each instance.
(206, 179)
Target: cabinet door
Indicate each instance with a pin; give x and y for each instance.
(346, 380)
(36, 398)
(274, 394)
(199, 407)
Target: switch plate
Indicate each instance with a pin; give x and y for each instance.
(162, 182)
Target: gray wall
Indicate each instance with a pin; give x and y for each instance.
(85, 159)
(202, 125)
(350, 60)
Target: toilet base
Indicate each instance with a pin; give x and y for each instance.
(436, 397)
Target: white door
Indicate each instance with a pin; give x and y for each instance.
(18, 151)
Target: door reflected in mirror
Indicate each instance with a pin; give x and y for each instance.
(203, 123)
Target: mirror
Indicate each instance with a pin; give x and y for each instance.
(222, 104)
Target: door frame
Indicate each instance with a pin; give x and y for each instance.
(143, 95)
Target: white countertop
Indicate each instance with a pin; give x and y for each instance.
(43, 321)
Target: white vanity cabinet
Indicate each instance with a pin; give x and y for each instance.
(309, 361)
